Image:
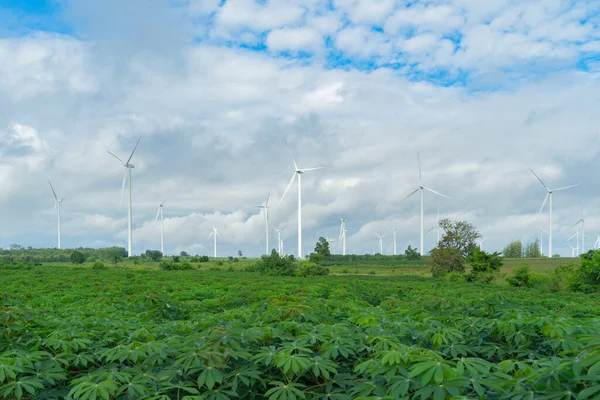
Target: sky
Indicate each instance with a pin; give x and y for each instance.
(225, 94)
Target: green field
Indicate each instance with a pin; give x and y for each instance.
(139, 333)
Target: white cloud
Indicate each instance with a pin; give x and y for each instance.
(362, 42)
(294, 39)
(369, 11)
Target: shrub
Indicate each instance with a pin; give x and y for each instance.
(154, 255)
(311, 269)
(484, 264)
(522, 277)
(455, 277)
(276, 265)
(219, 262)
(203, 259)
(482, 277)
(98, 265)
(195, 259)
(586, 278)
(176, 259)
(77, 257)
(445, 260)
(169, 266)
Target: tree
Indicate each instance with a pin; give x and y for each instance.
(322, 248)
(77, 257)
(412, 254)
(513, 250)
(459, 235)
(184, 254)
(239, 253)
(154, 255)
(483, 263)
(276, 265)
(456, 244)
(532, 250)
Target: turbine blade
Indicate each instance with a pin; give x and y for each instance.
(113, 154)
(577, 223)
(54, 210)
(566, 187)
(123, 186)
(544, 203)
(430, 229)
(310, 169)
(53, 192)
(575, 234)
(268, 197)
(419, 161)
(411, 194)
(438, 193)
(163, 203)
(288, 187)
(295, 165)
(136, 145)
(540, 179)
(209, 235)
(157, 214)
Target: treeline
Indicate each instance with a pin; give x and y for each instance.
(19, 254)
(370, 259)
(516, 249)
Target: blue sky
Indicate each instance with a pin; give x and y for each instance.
(226, 93)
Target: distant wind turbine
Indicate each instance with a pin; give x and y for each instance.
(572, 251)
(279, 241)
(481, 242)
(214, 234)
(549, 200)
(422, 189)
(380, 243)
(394, 230)
(298, 173)
(597, 243)
(437, 227)
(343, 234)
(162, 232)
(127, 178)
(329, 241)
(542, 231)
(576, 236)
(57, 202)
(582, 222)
(265, 208)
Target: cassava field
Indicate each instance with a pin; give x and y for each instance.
(125, 333)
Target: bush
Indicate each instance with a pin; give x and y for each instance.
(522, 277)
(455, 277)
(176, 259)
(203, 259)
(311, 269)
(276, 265)
(482, 277)
(77, 257)
(169, 266)
(445, 260)
(586, 278)
(98, 265)
(195, 259)
(219, 262)
(236, 260)
(484, 264)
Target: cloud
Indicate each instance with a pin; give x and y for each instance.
(294, 39)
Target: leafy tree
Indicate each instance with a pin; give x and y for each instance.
(203, 259)
(322, 248)
(513, 250)
(459, 235)
(483, 263)
(184, 254)
(522, 277)
(412, 254)
(16, 246)
(239, 253)
(445, 260)
(154, 255)
(586, 277)
(276, 265)
(77, 257)
(532, 250)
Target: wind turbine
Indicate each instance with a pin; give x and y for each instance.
(422, 189)
(380, 243)
(394, 230)
(549, 200)
(437, 227)
(162, 231)
(582, 221)
(57, 202)
(298, 173)
(214, 234)
(279, 241)
(576, 236)
(542, 231)
(572, 251)
(126, 178)
(265, 207)
(343, 234)
(597, 243)
(329, 241)
(481, 242)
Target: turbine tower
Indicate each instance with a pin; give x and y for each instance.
(57, 202)
(214, 234)
(265, 207)
(549, 200)
(298, 173)
(437, 227)
(582, 222)
(542, 231)
(162, 231)
(422, 189)
(127, 178)
(394, 230)
(343, 234)
(380, 243)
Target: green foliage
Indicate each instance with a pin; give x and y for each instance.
(312, 269)
(455, 276)
(586, 278)
(203, 259)
(315, 258)
(154, 255)
(184, 254)
(412, 254)
(240, 253)
(172, 266)
(98, 266)
(176, 259)
(513, 250)
(275, 265)
(522, 277)
(483, 265)
(445, 260)
(532, 250)
(322, 248)
(77, 257)
(459, 235)
(352, 260)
